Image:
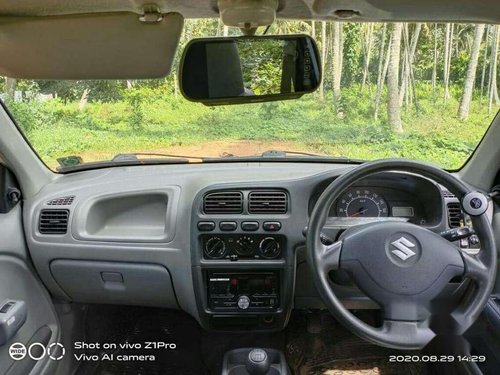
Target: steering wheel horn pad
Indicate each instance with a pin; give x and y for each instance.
(399, 264)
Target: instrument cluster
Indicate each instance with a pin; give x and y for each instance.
(386, 196)
(365, 202)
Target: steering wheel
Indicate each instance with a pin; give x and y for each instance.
(404, 267)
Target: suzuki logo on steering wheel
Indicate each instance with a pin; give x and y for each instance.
(403, 248)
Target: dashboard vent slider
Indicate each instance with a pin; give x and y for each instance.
(267, 202)
(454, 214)
(53, 221)
(229, 202)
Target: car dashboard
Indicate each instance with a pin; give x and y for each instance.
(223, 242)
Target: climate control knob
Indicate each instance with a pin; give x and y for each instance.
(244, 246)
(215, 248)
(269, 248)
(243, 303)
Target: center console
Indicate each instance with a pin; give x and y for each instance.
(243, 268)
(242, 246)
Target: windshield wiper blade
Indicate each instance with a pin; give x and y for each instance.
(285, 154)
(126, 160)
(134, 156)
(282, 155)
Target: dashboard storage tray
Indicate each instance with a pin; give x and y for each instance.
(115, 282)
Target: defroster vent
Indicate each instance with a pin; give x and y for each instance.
(63, 201)
(267, 202)
(447, 194)
(53, 221)
(228, 202)
(454, 214)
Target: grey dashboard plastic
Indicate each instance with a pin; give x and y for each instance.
(115, 282)
(173, 186)
(127, 216)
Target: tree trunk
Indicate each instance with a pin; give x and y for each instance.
(447, 58)
(83, 99)
(470, 77)
(382, 70)
(393, 108)
(10, 87)
(368, 51)
(404, 69)
(341, 49)
(337, 61)
(485, 62)
(434, 64)
(493, 91)
(384, 75)
(414, 41)
(323, 59)
(176, 84)
(410, 50)
(409, 58)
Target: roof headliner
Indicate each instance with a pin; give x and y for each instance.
(487, 11)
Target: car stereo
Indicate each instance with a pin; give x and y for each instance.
(243, 291)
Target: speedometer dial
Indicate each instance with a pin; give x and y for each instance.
(361, 203)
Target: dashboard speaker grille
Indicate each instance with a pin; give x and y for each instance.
(230, 202)
(53, 221)
(267, 202)
(454, 214)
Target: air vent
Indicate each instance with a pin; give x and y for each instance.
(454, 214)
(63, 201)
(267, 202)
(447, 194)
(229, 202)
(53, 221)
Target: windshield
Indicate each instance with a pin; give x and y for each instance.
(421, 91)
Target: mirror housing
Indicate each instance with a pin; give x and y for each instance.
(249, 69)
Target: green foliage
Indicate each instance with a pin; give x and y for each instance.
(154, 119)
(98, 90)
(31, 115)
(261, 65)
(134, 98)
(352, 53)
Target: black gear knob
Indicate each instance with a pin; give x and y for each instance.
(258, 362)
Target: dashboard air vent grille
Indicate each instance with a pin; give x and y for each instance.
(454, 214)
(267, 202)
(63, 201)
(228, 202)
(53, 221)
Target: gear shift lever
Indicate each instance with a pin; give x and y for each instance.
(257, 362)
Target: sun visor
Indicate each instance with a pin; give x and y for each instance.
(98, 46)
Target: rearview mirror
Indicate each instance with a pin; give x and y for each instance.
(234, 70)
